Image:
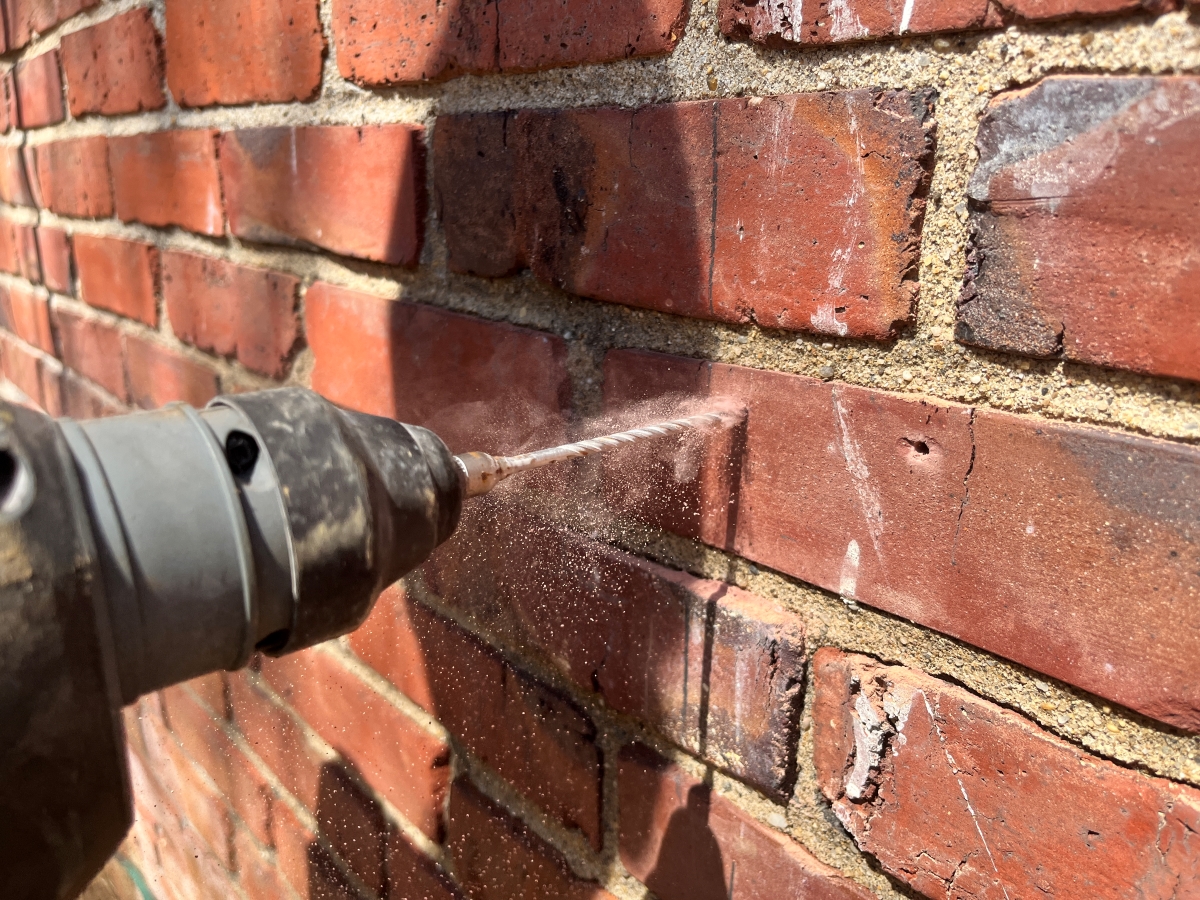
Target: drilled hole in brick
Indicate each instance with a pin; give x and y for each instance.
(921, 447)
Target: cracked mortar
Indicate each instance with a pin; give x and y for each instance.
(967, 71)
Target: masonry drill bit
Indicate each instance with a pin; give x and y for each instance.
(484, 471)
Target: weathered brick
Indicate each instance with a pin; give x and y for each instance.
(25, 18)
(779, 23)
(26, 314)
(1073, 175)
(83, 400)
(168, 178)
(19, 250)
(73, 177)
(93, 349)
(119, 275)
(159, 374)
(232, 310)
(1071, 550)
(54, 256)
(14, 183)
(716, 669)
(958, 797)
(429, 41)
(683, 841)
(115, 66)
(358, 191)
(39, 90)
(801, 212)
(535, 738)
(230, 51)
(423, 365)
(497, 858)
(406, 764)
(9, 114)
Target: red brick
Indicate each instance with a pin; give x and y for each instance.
(535, 738)
(119, 275)
(54, 255)
(39, 90)
(358, 191)
(1050, 267)
(14, 183)
(231, 51)
(83, 400)
(243, 787)
(21, 367)
(393, 753)
(428, 41)
(816, 201)
(686, 843)
(25, 18)
(160, 374)
(429, 367)
(772, 24)
(413, 876)
(1067, 549)
(497, 858)
(958, 797)
(19, 250)
(232, 310)
(27, 315)
(258, 876)
(114, 67)
(168, 178)
(93, 349)
(73, 177)
(714, 668)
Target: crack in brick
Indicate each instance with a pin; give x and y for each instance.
(966, 488)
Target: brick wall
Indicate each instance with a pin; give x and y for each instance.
(924, 626)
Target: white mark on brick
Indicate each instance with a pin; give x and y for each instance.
(963, 788)
(906, 17)
(825, 320)
(844, 24)
(869, 731)
(849, 580)
(787, 17)
(868, 497)
(839, 260)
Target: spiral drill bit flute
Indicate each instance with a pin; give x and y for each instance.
(484, 471)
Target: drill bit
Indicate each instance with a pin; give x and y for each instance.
(484, 471)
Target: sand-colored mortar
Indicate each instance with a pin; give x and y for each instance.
(967, 71)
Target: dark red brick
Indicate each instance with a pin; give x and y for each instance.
(115, 66)
(93, 349)
(686, 843)
(438, 369)
(816, 201)
(1068, 549)
(26, 18)
(428, 41)
(26, 314)
(716, 669)
(958, 797)
(413, 876)
(159, 374)
(405, 763)
(358, 191)
(119, 275)
(14, 183)
(775, 24)
(535, 738)
(39, 90)
(54, 255)
(73, 177)
(1080, 242)
(168, 178)
(232, 310)
(497, 858)
(19, 250)
(231, 51)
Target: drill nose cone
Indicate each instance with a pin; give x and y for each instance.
(481, 472)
